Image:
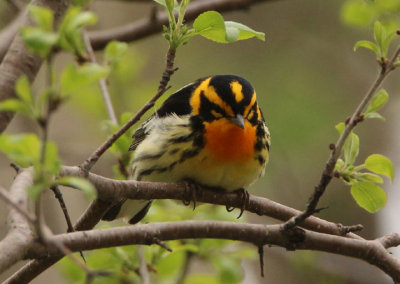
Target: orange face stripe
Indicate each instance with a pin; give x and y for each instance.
(236, 88)
(195, 99)
(210, 93)
(229, 143)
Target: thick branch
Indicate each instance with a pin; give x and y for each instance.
(14, 246)
(110, 189)
(19, 60)
(372, 252)
(146, 27)
(86, 222)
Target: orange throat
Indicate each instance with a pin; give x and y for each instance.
(228, 142)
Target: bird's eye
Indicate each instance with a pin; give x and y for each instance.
(216, 113)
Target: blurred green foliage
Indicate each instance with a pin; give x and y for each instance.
(363, 13)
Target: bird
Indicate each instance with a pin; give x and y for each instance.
(210, 133)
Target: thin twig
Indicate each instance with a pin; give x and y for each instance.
(6, 197)
(70, 227)
(261, 259)
(90, 162)
(327, 173)
(102, 81)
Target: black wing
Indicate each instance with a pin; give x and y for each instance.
(177, 103)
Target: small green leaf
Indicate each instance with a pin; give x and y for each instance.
(351, 148)
(386, 42)
(16, 106)
(374, 115)
(211, 25)
(379, 35)
(368, 45)
(52, 163)
(71, 27)
(23, 90)
(75, 77)
(340, 127)
(379, 164)
(368, 177)
(244, 31)
(79, 183)
(114, 51)
(81, 20)
(23, 149)
(379, 99)
(42, 16)
(38, 40)
(339, 165)
(369, 196)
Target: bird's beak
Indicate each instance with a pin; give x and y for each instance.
(238, 120)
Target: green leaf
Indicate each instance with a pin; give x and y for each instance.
(244, 31)
(374, 115)
(379, 35)
(379, 164)
(42, 16)
(339, 165)
(379, 99)
(351, 148)
(115, 51)
(368, 45)
(369, 196)
(211, 25)
(52, 163)
(79, 183)
(81, 20)
(23, 90)
(38, 40)
(368, 177)
(76, 77)
(386, 42)
(17, 106)
(23, 149)
(71, 27)
(340, 127)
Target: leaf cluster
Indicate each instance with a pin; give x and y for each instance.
(210, 25)
(364, 178)
(380, 47)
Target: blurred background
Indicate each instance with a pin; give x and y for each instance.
(307, 78)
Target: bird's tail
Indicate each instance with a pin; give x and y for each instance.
(131, 210)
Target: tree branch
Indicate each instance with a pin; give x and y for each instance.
(110, 189)
(146, 27)
(20, 235)
(19, 60)
(372, 252)
(87, 221)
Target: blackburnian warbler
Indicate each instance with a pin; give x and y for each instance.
(211, 133)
